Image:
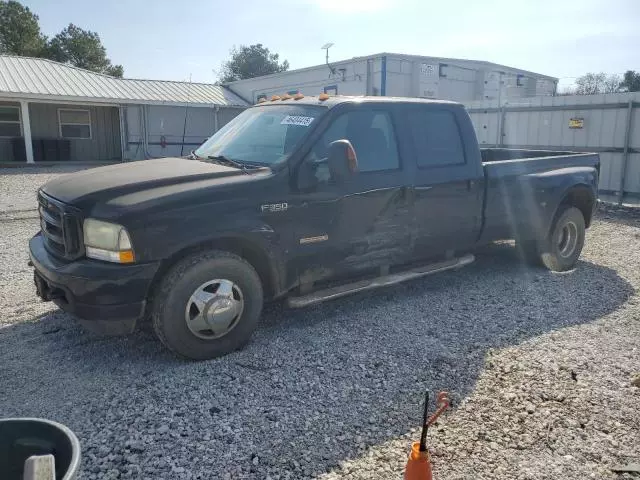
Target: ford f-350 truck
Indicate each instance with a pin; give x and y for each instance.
(303, 198)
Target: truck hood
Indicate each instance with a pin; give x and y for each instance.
(85, 188)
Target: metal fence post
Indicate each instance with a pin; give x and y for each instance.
(498, 127)
(625, 153)
(503, 118)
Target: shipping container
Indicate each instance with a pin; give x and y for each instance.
(390, 74)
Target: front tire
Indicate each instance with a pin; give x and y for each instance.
(562, 247)
(208, 305)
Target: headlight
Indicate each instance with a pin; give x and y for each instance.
(107, 241)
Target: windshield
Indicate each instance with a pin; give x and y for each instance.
(262, 135)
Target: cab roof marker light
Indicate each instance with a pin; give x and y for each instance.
(298, 96)
(275, 97)
(323, 96)
(286, 97)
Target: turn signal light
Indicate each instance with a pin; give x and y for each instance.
(126, 256)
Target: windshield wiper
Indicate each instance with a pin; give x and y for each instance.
(221, 159)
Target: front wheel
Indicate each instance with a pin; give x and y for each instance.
(562, 247)
(208, 305)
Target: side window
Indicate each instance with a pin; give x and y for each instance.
(372, 136)
(74, 123)
(436, 137)
(10, 122)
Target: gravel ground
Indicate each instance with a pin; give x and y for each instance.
(540, 366)
(18, 185)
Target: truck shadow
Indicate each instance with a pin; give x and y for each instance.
(313, 388)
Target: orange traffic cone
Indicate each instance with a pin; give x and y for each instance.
(419, 464)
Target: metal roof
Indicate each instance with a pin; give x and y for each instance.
(39, 78)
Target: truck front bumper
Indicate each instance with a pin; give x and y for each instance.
(90, 289)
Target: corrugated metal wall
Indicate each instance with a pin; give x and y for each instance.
(105, 130)
(165, 126)
(610, 126)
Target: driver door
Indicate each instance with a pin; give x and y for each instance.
(343, 229)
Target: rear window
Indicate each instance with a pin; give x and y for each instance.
(437, 138)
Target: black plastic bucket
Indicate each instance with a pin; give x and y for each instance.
(21, 438)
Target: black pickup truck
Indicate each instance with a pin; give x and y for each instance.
(303, 198)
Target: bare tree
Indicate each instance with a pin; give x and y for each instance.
(595, 83)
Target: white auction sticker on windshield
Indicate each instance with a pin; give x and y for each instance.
(297, 120)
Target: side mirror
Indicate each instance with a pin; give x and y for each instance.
(343, 163)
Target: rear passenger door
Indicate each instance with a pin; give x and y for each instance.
(447, 184)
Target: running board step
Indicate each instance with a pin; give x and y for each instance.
(378, 282)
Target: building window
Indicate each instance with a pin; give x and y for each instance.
(10, 122)
(331, 89)
(74, 123)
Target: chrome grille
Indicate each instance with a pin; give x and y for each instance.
(60, 226)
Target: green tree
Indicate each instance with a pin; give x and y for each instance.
(19, 30)
(251, 61)
(595, 83)
(82, 48)
(631, 81)
(115, 71)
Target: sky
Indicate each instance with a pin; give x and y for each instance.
(178, 40)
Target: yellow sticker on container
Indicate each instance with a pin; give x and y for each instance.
(576, 122)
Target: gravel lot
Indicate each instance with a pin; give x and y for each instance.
(18, 186)
(540, 366)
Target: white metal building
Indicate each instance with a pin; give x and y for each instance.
(392, 74)
(55, 112)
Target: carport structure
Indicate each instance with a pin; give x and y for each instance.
(52, 112)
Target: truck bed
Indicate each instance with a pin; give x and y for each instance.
(522, 184)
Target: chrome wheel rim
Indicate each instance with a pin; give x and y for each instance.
(567, 239)
(214, 309)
